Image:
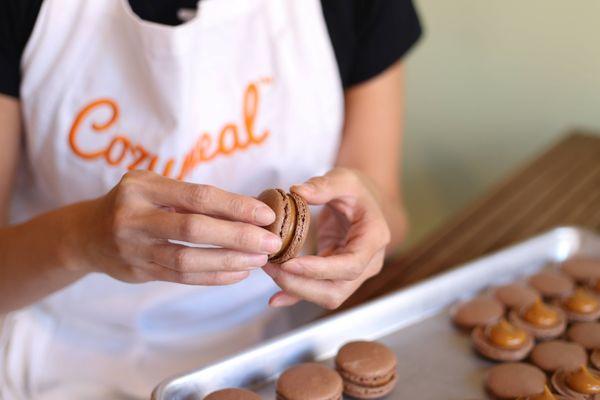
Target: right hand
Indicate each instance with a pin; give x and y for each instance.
(126, 233)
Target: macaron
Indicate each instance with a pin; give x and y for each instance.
(586, 334)
(502, 341)
(309, 381)
(595, 358)
(542, 320)
(367, 368)
(512, 380)
(481, 310)
(581, 305)
(582, 383)
(233, 394)
(292, 221)
(582, 269)
(552, 284)
(545, 395)
(516, 295)
(558, 354)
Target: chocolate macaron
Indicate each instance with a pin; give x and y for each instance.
(581, 305)
(552, 284)
(558, 354)
(512, 380)
(309, 381)
(582, 269)
(582, 383)
(292, 221)
(586, 334)
(516, 295)
(481, 310)
(502, 341)
(233, 394)
(367, 368)
(541, 320)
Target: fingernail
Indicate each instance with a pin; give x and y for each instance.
(271, 244)
(263, 215)
(292, 267)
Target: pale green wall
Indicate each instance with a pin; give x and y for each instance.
(491, 84)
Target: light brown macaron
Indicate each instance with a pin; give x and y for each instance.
(309, 381)
(512, 380)
(502, 341)
(581, 306)
(481, 310)
(233, 394)
(582, 383)
(367, 368)
(552, 284)
(582, 269)
(545, 395)
(558, 354)
(516, 295)
(542, 320)
(292, 222)
(586, 334)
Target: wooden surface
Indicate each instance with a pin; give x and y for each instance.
(560, 187)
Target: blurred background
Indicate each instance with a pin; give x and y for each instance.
(490, 85)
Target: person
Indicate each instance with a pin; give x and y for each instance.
(134, 136)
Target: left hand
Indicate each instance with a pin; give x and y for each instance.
(352, 235)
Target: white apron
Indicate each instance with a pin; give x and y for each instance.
(244, 96)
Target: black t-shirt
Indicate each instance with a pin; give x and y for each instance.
(367, 35)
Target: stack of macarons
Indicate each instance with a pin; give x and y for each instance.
(551, 319)
(363, 370)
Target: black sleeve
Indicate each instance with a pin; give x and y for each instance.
(369, 35)
(17, 18)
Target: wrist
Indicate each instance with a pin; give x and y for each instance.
(73, 242)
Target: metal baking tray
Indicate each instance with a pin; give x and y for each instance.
(435, 360)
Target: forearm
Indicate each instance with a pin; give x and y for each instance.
(37, 257)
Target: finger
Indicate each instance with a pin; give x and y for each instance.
(206, 199)
(202, 229)
(283, 299)
(190, 259)
(199, 278)
(348, 266)
(324, 293)
(337, 183)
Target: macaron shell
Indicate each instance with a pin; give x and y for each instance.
(595, 358)
(552, 284)
(558, 354)
(370, 392)
(492, 352)
(511, 380)
(480, 310)
(233, 394)
(582, 269)
(300, 233)
(586, 334)
(516, 295)
(542, 333)
(366, 363)
(309, 381)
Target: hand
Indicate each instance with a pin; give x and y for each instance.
(352, 236)
(126, 233)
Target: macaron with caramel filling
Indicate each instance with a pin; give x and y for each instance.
(582, 269)
(552, 284)
(309, 381)
(586, 334)
(516, 295)
(543, 321)
(582, 383)
(292, 222)
(502, 341)
(558, 354)
(512, 380)
(367, 368)
(480, 310)
(545, 395)
(581, 306)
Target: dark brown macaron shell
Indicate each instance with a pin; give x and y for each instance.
(493, 352)
(539, 332)
(558, 354)
(516, 295)
(367, 368)
(582, 269)
(512, 380)
(586, 334)
(292, 222)
(552, 284)
(309, 381)
(559, 383)
(232, 394)
(481, 310)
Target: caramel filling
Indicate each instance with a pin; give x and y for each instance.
(504, 334)
(583, 381)
(582, 302)
(540, 315)
(545, 395)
